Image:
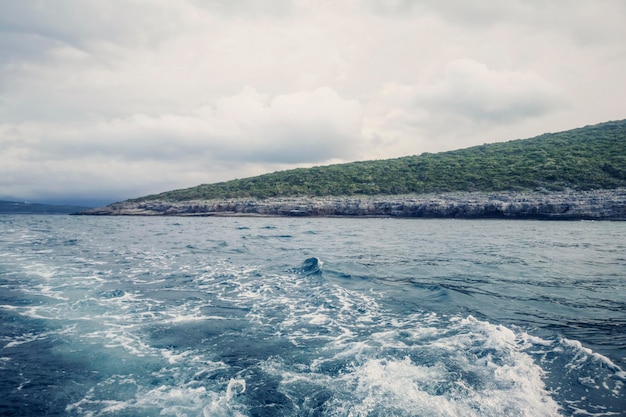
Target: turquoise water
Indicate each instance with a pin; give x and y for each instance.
(140, 316)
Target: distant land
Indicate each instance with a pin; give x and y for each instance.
(575, 174)
(14, 207)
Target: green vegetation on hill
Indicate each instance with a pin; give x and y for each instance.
(592, 157)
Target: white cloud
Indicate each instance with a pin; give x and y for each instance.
(303, 127)
(469, 89)
(242, 130)
(450, 109)
(306, 126)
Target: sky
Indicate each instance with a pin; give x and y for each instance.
(101, 101)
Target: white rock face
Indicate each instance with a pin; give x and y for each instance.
(561, 205)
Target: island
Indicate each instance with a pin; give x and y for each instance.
(579, 174)
(25, 207)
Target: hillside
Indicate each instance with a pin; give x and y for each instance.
(588, 158)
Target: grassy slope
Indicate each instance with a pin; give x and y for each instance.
(592, 157)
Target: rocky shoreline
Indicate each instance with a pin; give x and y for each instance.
(554, 205)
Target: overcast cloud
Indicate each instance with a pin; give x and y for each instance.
(116, 99)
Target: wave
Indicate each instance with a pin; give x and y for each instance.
(163, 328)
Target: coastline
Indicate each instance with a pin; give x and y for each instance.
(605, 204)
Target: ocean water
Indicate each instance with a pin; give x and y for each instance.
(158, 316)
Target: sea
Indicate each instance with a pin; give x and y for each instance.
(269, 316)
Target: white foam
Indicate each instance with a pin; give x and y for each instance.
(192, 318)
(31, 311)
(512, 383)
(235, 387)
(188, 400)
(41, 270)
(172, 357)
(223, 406)
(188, 313)
(401, 385)
(316, 318)
(584, 354)
(26, 338)
(469, 367)
(47, 291)
(180, 398)
(121, 337)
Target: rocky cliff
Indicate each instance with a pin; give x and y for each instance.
(564, 205)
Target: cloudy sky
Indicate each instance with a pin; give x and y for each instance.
(107, 100)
